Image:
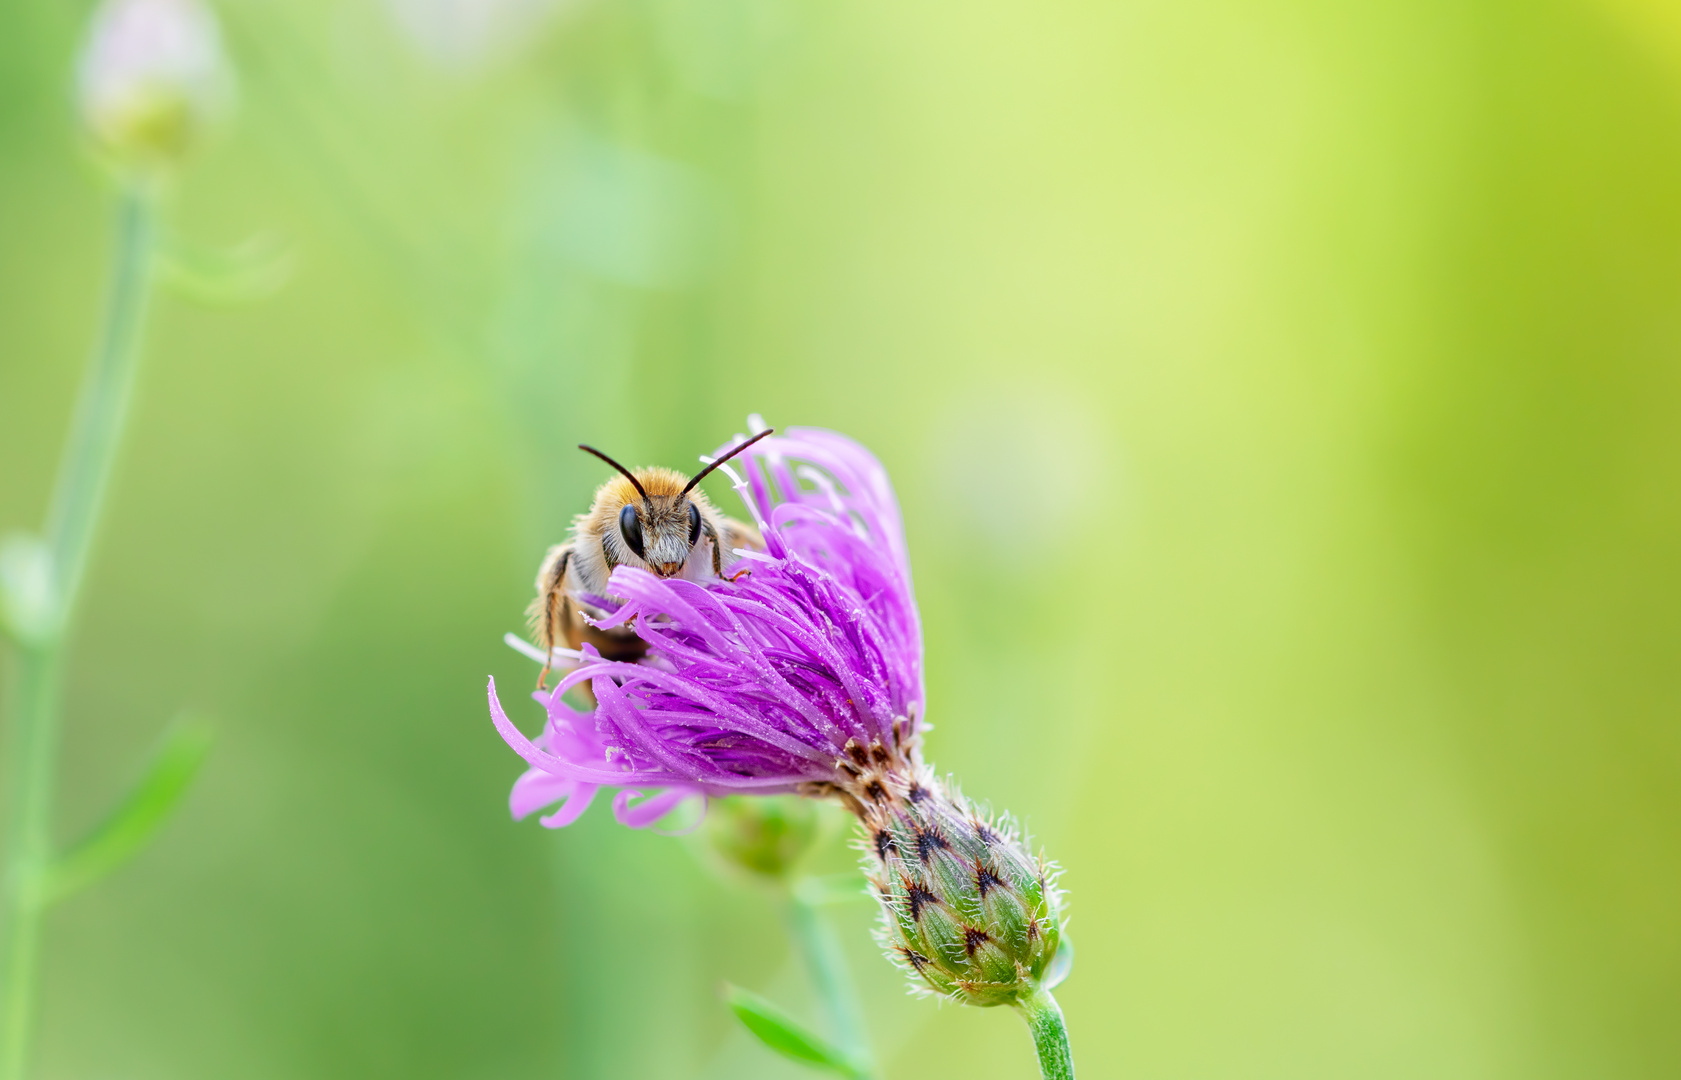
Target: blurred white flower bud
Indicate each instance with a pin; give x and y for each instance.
(29, 598)
(152, 78)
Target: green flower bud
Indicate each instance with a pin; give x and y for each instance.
(764, 836)
(967, 910)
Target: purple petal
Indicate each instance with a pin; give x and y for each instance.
(576, 804)
(536, 789)
(649, 810)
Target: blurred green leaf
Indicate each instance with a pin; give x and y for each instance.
(252, 270)
(137, 819)
(788, 1037)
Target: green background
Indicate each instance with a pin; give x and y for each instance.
(1285, 400)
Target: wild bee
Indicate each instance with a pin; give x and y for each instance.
(653, 518)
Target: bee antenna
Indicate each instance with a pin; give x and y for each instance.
(725, 458)
(628, 475)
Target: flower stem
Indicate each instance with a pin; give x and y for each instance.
(1050, 1035)
(34, 753)
(85, 469)
(820, 950)
(78, 493)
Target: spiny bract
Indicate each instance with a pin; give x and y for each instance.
(966, 909)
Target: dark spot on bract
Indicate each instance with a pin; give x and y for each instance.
(884, 844)
(974, 939)
(985, 834)
(918, 897)
(856, 752)
(879, 753)
(875, 791)
(927, 842)
(917, 793)
(985, 879)
(914, 958)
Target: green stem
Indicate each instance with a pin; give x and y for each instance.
(820, 950)
(78, 493)
(1050, 1035)
(34, 753)
(85, 469)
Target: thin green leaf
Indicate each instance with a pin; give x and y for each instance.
(788, 1037)
(250, 271)
(138, 817)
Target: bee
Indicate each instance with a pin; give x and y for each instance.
(653, 518)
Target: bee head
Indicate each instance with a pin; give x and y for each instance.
(661, 517)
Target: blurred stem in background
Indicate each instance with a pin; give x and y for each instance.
(767, 838)
(820, 950)
(151, 79)
(102, 411)
(43, 579)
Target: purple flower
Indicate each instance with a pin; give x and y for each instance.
(804, 674)
(791, 677)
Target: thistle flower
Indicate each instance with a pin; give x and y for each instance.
(151, 78)
(806, 675)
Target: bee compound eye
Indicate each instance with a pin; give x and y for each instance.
(694, 524)
(630, 527)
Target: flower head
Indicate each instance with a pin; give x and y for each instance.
(804, 674)
(151, 78)
(771, 682)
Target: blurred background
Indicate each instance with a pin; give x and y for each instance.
(1285, 400)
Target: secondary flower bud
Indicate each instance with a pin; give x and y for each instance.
(152, 78)
(766, 837)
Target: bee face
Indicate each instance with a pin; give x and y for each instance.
(661, 531)
(653, 518)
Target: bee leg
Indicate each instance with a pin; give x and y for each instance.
(736, 535)
(718, 554)
(550, 611)
(717, 547)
